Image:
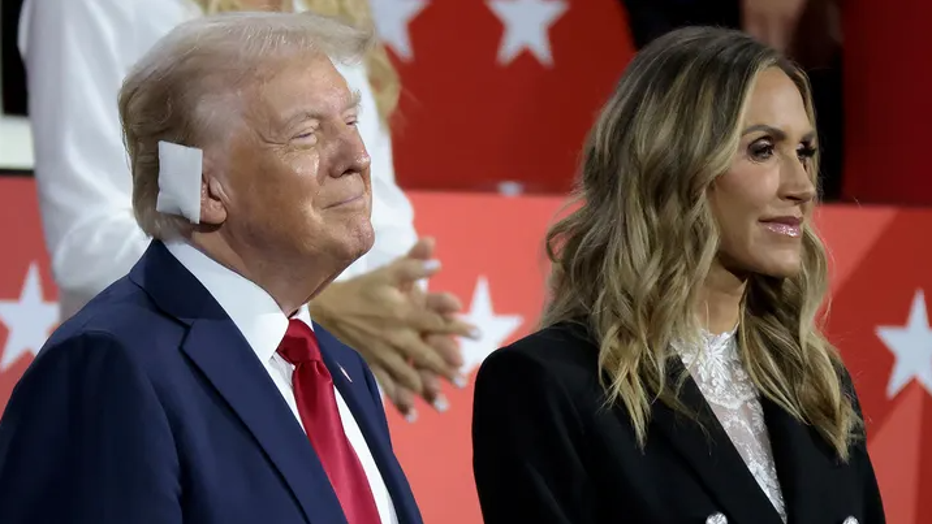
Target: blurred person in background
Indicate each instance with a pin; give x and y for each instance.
(680, 374)
(77, 53)
(808, 31)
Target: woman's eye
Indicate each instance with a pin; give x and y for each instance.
(806, 151)
(761, 150)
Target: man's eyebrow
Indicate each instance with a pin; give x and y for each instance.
(353, 103)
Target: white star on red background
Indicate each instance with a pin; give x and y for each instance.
(29, 320)
(391, 19)
(527, 24)
(496, 329)
(911, 345)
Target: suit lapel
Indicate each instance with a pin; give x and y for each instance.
(216, 347)
(712, 456)
(359, 400)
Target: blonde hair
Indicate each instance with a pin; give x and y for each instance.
(630, 260)
(189, 85)
(383, 77)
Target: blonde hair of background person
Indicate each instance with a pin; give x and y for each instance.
(383, 77)
(633, 260)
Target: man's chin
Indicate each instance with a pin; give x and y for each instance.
(358, 240)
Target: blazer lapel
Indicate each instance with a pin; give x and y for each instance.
(359, 400)
(215, 345)
(801, 456)
(709, 452)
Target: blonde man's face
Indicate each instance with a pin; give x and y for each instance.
(295, 182)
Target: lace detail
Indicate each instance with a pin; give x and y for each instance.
(717, 369)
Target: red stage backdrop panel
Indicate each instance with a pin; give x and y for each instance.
(491, 249)
(887, 102)
(500, 90)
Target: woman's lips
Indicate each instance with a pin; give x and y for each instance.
(788, 226)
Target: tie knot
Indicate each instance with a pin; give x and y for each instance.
(299, 344)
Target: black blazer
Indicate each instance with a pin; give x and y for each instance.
(548, 451)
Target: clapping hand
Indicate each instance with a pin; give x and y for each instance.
(405, 334)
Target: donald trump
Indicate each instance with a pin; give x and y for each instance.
(197, 389)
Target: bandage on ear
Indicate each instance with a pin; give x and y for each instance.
(180, 172)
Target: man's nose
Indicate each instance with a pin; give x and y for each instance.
(351, 154)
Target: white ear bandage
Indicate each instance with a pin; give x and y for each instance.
(180, 172)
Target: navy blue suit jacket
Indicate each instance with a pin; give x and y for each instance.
(149, 406)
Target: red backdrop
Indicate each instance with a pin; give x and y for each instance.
(887, 103)
(491, 248)
(470, 119)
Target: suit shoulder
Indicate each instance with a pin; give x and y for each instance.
(562, 352)
(555, 346)
(849, 388)
(125, 315)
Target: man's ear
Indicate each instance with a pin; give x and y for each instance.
(213, 196)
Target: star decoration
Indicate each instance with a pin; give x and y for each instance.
(911, 345)
(527, 23)
(29, 319)
(391, 22)
(495, 328)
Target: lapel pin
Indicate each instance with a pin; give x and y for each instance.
(717, 518)
(345, 374)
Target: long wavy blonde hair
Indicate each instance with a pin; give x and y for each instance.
(631, 258)
(383, 77)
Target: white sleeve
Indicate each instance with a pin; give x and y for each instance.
(392, 214)
(76, 54)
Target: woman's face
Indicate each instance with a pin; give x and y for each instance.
(762, 201)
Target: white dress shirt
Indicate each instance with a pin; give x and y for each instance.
(77, 53)
(263, 325)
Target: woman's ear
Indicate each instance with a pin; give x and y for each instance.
(213, 196)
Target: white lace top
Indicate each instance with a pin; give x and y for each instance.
(717, 370)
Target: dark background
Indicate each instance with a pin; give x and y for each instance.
(13, 75)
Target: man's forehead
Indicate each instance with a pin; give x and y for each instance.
(301, 87)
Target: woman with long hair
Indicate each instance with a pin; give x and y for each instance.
(77, 53)
(680, 374)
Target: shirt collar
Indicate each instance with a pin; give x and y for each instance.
(254, 312)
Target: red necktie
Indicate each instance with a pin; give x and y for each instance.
(317, 405)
